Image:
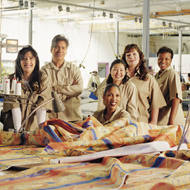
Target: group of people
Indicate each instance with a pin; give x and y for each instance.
(129, 90)
(156, 100)
(38, 84)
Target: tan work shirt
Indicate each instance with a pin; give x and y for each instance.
(68, 83)
(27, 105)
(128, 98)
(169, 82)
(119, 113)
(149, 96)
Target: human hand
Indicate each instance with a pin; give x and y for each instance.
(74, 82)
(68, 97)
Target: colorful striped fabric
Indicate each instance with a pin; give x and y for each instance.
(68, 139)
(134, 172)
(170, 170)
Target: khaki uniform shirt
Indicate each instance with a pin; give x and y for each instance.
(62, 80)
(119, 113)
(149, 96)
(169, 82)
(28, 102)
(128, 98)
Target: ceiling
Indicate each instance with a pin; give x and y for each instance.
(166, 15)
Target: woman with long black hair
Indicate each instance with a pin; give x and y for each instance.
(35, 89)
(128, 90)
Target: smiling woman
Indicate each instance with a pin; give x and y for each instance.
(128, 91)
(28, 63)
(112, 110)
(35, 90)
(150, 97)
(169, 82)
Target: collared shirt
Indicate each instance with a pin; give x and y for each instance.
(149, 96)
(128, 101)
(119, 113)
(28, 102)
(169, 82)
(68, 83)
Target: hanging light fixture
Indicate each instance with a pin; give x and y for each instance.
(60, 8)
(163, 23)
(32, 4)
(26, 4)
(111, 15)
(21, 3)
(140, 20)
(135, 19)
(104, 14)
(68, 9)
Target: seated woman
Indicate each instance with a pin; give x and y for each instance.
(35, 89)
(128, 90)
(112, 111)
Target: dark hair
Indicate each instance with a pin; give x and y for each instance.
(117, 61)
(110, 86)
(141, 66)
(188, 74)
(165, 49)
(58, 38)
(18, 69)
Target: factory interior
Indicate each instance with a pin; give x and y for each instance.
(86, 154)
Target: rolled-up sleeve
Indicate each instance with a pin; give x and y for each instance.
(174, 86)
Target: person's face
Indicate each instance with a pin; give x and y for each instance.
(112, 99)
(118, 72)
(132, 58)
(164, 60)
(28, 63)
(59, 51)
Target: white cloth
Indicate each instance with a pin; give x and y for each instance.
(16, 114)
(41, 115)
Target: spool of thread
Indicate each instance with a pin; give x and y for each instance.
(18, 89)
(13, 87)
(3, 82)
(7, 87)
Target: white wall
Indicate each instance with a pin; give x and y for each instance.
(100, 49)
(84, 48)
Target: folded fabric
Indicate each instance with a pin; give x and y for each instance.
(73, 139)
